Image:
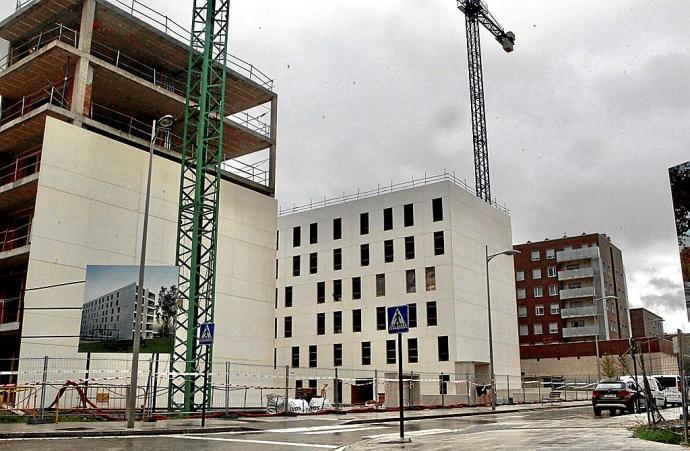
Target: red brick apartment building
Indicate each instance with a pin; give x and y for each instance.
(560, 284)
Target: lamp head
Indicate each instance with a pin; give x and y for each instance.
(166, 122)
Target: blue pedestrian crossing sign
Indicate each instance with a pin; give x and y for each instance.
(398, 320)
(206, 334)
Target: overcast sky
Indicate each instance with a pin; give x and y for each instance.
(584, 117)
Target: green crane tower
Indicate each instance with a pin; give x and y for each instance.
(199, 197)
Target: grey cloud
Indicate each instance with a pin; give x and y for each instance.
(667, 301)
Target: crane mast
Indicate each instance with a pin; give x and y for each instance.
(199, 197)
(476, 13)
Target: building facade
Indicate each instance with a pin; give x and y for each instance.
(340, 266)
(81, 84)
(560, 285)
(111, 316)
(644, 323)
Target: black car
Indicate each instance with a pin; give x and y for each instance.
(616, 395)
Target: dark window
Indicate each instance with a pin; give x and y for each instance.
(437, 209)
(380, 284)
(337, 322)
(409, 247)
(313, 233)
(412, 352)
(412, 315)
(366, 353)
(430, 274)
(288, 296)
(118, 309)
(431, 313)
(337, 354)
(337, 228)
(296, 236)
(337, 290)
(288, 327)
(276, 268)
(295, 265)
(363, 223)
(337, 259)
(408, 215)
(312, 356)
(356, 320)
(442, 349)
(320, 324)
(277, 239)
(443, 381)
(364, 254)
(410, 283)
(295, 357)
(387, 219)
(356, 288)
(320, 292)
(388, 251)
(390, 351)
(380, 318)
(275, 328)
(439, 247)
(313, 263)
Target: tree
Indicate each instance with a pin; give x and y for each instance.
(680, 192)
(166, 310)
(611, 368)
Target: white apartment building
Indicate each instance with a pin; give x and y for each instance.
(340, 266)
(111, 315)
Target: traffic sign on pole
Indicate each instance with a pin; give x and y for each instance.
(206, 333)
(398, 320)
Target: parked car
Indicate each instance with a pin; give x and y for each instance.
(671, 387)
(658, 396)
(616, 396)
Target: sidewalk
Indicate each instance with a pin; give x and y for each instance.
(217, 425)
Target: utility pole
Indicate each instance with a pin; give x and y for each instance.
(683, 384)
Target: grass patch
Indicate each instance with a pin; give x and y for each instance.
(160, 345)
(657, 435)
(11, 418)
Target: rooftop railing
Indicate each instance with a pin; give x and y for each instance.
(445, 176)
(21, 167)
(59, 32)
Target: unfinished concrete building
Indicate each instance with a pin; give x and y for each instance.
(81, 83)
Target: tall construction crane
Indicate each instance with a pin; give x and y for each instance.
(199, 197)
(477, 13)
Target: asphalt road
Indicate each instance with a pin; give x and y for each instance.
(574, 428)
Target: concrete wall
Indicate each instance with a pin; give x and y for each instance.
(89, 210)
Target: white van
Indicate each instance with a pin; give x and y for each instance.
(671, 387)
(654, 386)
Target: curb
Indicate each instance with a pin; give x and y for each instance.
(459, 414)
(122, 432)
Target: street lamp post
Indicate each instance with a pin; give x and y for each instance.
(596, 326)
(164, 123)
(649, 340)
(509, 252)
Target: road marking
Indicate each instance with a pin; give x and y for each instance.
(414, 433)
(333, 431)
(258, 442)
(338, 427)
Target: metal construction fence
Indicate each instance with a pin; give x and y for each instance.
(100, 386)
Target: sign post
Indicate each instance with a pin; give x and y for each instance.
(398, 323)
(206, 332)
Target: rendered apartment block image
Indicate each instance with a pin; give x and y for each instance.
(571, 289)
(111, 316)
(81, 83)
(340, 266)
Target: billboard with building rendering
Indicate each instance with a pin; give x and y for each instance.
(110, 297)
(680, 191)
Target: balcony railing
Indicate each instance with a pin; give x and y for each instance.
(576, 274)
(159, 77)
(21, 167)
(15, 236)
(575, 312)
(10, 311)
(57, 33)
(584, 253)
(587, 331)
(255, 172)
(50, 94)
(571, 293)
